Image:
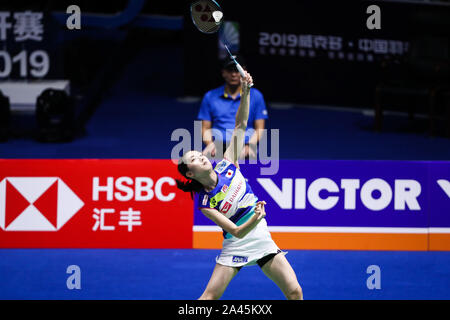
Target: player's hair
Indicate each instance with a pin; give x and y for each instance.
(191, 185)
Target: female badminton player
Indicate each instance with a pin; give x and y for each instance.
(225, 197)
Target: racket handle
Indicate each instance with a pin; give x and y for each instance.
(241, 71)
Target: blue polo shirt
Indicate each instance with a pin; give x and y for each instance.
(220, 108)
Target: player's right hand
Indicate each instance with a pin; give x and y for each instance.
(246, 82)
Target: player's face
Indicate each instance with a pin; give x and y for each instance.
(231, 77)
(197, 163)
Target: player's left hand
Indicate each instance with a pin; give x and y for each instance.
(259, 209)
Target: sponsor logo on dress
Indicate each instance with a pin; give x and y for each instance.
(239, 259)
(226, 207)
(221, 166)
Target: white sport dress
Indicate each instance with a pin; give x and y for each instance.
(234, 198)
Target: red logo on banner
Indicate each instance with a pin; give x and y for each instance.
(31, 204)
(48, 204)
(15, 204)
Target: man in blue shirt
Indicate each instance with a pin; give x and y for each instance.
(218, 111)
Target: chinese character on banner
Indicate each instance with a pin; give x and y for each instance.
(28, 26)
(305, 41)
(335, 43)
(99, 216)
(4, 25)
(380, 46)
(320, 42)
(130, 218)
(365, 45)
(396, 47)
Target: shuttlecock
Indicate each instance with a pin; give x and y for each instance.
(217, 15)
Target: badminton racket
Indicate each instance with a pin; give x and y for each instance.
(207, 16)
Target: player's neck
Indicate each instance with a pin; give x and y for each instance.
(233, 91)
(209, 181)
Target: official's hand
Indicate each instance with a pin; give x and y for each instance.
(251, 151)
(248, 151)
(210, 149)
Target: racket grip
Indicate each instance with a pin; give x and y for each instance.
(242, 73)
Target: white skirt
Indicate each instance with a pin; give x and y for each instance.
(246, 251)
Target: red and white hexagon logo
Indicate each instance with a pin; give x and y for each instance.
(36, 204)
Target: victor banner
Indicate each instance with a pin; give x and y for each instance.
(320, 204)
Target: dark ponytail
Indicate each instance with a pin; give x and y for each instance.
(191, 185)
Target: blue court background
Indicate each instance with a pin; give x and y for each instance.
(183, 274)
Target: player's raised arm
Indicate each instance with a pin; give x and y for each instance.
(237, 139)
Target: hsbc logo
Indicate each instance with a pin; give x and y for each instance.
(36, 204)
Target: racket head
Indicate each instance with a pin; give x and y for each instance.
(202, 15)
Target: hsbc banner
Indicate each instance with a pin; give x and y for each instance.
(93, 204)
(349, 197)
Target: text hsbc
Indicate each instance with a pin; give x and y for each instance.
(405, 193)
(127, 189)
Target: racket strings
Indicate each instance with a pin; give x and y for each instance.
(203, 12)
